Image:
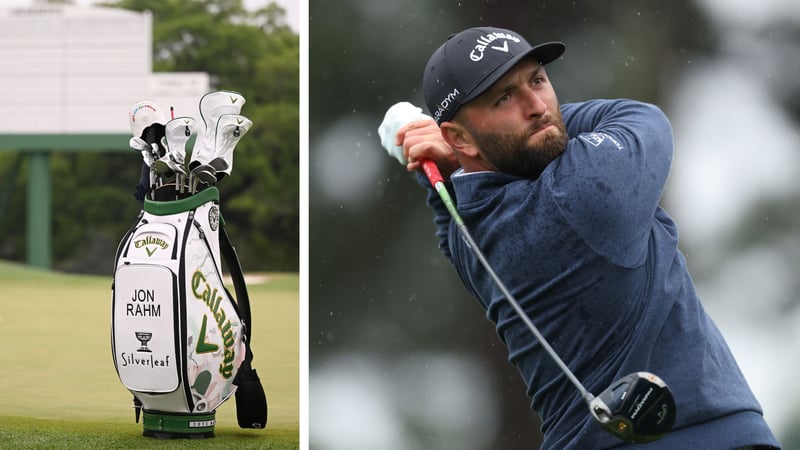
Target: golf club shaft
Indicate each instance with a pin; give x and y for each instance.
(436, 180)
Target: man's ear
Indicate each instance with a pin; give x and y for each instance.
(459, 139)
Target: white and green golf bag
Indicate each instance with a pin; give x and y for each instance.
(180, 340)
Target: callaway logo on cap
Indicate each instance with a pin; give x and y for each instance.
(471, 61)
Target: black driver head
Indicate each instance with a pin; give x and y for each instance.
(638, 407)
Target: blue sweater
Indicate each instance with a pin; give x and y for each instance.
(594, 260)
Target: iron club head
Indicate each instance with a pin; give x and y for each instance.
(638, 407)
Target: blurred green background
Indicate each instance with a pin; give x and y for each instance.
(400, 356)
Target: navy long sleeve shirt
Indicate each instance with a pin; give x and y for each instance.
(594, 261)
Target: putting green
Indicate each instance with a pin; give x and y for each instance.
(58, 379)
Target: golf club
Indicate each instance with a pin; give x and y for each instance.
(230, 129)
(139, 145)
(146, 121)
(213, 106)
(177, 133)
(638, 407)
(163, 144)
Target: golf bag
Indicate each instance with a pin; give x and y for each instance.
(180, 341)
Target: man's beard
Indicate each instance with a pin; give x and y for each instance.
(510, 153)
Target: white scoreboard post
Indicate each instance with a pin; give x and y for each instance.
(68, 77)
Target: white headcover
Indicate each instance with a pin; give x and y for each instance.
(144, 114)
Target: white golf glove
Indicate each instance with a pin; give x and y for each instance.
(396, 116)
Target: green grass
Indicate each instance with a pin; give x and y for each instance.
(58, 386)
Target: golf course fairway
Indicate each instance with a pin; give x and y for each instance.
(58, 386)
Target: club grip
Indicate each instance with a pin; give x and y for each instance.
(432, 172)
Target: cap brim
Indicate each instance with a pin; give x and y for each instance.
(544, 53)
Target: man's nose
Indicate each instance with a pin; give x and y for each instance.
(534, 104)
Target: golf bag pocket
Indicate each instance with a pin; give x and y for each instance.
(144, 332)
(177, 337)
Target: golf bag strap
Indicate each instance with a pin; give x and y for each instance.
(251, 400)
(228, 253)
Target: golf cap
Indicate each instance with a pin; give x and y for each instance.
(144, 114)
(469, 62)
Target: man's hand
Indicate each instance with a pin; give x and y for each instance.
(409, 136)
(422, 139)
